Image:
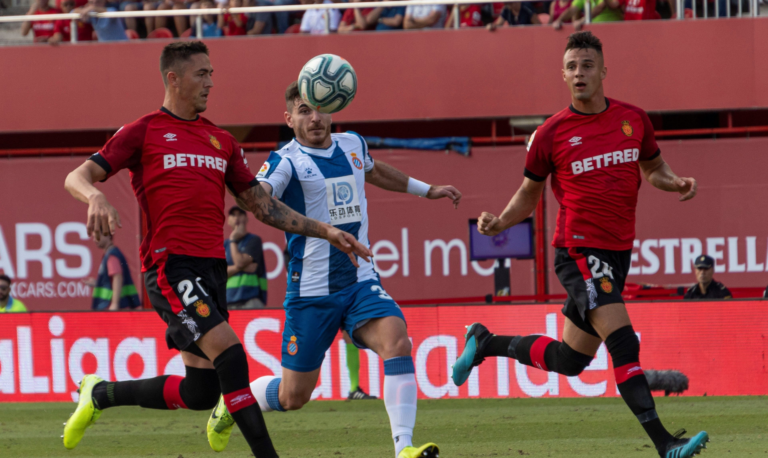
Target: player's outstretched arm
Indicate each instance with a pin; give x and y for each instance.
(660, 175)
(386, 177)
(519, 207)
(102, 217)
(271, 211)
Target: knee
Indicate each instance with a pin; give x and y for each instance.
(200, 389)
(623, 345)
(393, 348)
(570, 362)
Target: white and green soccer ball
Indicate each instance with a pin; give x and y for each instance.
(327, 83)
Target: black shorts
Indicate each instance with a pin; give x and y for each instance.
(190, 294)
(592, 277)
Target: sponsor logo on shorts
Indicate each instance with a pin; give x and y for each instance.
(293, 347)
(626, 128)
(214, 141)
(202, 309)
(591, 293)
(606, 285)
(238, 399)
(189, 323)
(356, 162)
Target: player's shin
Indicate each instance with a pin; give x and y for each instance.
(199, 390)
(624, 347)
(400, 395)
(353, 366)
(232, 368)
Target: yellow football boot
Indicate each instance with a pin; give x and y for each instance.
(428, 450)
(220, 427)
(85, 415)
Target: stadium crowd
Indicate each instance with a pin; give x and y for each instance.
(553, 13)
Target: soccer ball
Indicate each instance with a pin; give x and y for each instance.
(327, 83)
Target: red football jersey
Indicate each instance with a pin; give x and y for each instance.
(178, 172)
(84, 30)
(638, 10)
(593, 159)
(44, 29)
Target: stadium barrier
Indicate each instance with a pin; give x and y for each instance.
(199, 12)
(719, 346)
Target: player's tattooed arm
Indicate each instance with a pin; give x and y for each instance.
(660, 175)
(276, 214)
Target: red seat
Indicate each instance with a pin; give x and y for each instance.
(187, 33)
(162, 32)
(295, 28)
(131, 34)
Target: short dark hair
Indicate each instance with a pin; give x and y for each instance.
(6, 278)
(237, 211)
(179, 51)
(291, 94)
(584, 40)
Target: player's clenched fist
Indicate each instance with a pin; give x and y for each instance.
(489, 225)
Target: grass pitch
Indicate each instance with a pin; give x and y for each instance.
(462, 428)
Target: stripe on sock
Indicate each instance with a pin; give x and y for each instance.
(399, 365)
(627, 371)
(645, 417)
(239, 399)
(537, 352)
(273, 395)
(171, 393)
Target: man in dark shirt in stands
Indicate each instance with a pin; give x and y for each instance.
(706, 287)
(247, 283)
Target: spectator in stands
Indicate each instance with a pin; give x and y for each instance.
(637, 10)
(233, 24)
(107, 29)
(61, 30)
(42, 30)
(469, 16)
(601, 12)
(424, 17)
(259, 23)
(706, 287)
(113, 288)
(319, 22)
(390, 18)
(7, 302)
(210, 22)
(357, 19)
(180, 23)
(556, 10)
(247, 284)
(515, 13)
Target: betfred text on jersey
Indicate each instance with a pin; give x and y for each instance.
(194, 160)
(605, 160)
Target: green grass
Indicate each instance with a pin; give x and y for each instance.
(463, 428)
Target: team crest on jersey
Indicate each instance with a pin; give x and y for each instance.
(215, 141)
(357, 162)
(202, 309)
(626, 128)
(293, 347)
(606, 285)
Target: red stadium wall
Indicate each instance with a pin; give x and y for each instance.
(44, 355)
(722, 220)
(659, 65)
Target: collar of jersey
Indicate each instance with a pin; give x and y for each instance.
(607, 105)
(169, 113)
(322, 152)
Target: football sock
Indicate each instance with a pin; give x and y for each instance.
(232, 368)
(400, 394)
(624, 347)
(353, 366)
(541, 352)
(500, 345)
(266, 389)
(199, 390)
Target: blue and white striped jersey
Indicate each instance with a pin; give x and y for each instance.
(329, 186)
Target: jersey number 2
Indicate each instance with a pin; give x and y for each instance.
(186, 287)
(607, 270)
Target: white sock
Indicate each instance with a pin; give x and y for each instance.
(259, 389)
(400, 395)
